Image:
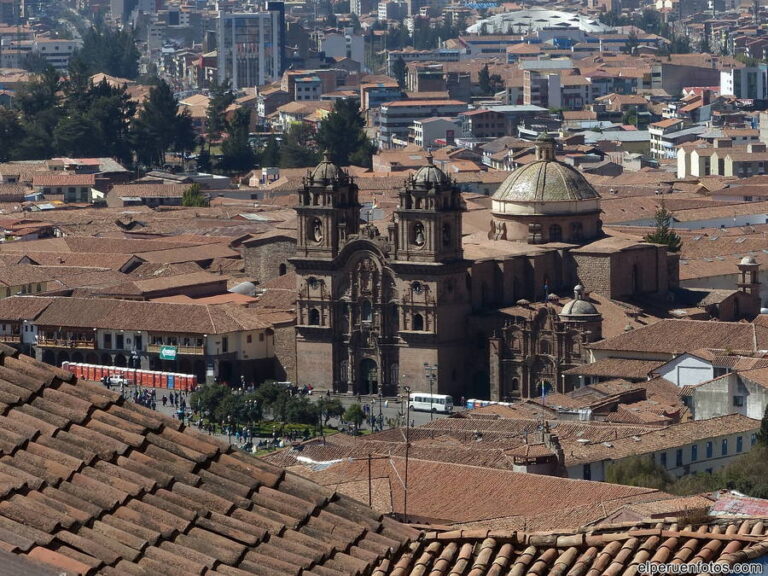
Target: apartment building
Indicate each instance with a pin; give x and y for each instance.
(249, 50)
(396, 118)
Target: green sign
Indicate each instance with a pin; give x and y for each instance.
(168, 353)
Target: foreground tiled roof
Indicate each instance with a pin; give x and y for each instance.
(613, 551)
(93, 484)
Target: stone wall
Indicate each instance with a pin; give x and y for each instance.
(266, 259)
(285, 352)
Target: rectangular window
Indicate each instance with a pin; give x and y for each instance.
(587, 472)
(709, 449)
(225, 344)
(663, 460)
(249, 338)
(261, 337)
(694, 452)
(119, 342)
(738, 401)
(108, 341)
(739, 444)
(679, 457)
(724, 447)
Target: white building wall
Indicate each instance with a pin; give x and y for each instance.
(686, 370)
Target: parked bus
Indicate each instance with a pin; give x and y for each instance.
(424, 401)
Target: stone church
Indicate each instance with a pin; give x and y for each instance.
(378, 300)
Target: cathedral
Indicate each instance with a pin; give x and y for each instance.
(377, 301)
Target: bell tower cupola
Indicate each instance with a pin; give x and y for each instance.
(428, 217)
(328, 211)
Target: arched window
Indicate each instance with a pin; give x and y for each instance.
(366, 311)
(577, 231)
(544, 347)
(314, 317)
(282, 269)
(418, 322)
(555, 233)
(515, 383)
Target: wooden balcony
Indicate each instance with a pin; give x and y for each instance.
(65, 343)
(188, 350)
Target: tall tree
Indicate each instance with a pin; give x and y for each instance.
(108, 50)
(236, 150)
(342, 134)
(194, 197)
(298, 149)
(398, 71)
(221, 97)
(484, 80)
(664, 233)
(159, 126)
(11, 132)
(270, 155)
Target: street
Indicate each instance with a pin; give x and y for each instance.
(392, 410)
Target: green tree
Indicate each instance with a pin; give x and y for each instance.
(194, 197)
(762, 436)
(342, 133)
(299, 410)
(630, 117)
(355, 415)
(330, 408)
(109, 50)
(77, 135)
(221, 97)
(159, 127)
(11, 132)
(632, 43)
(208, 397)
(399, 71)
(484, 80)
(274, 399)
(236, 150)
(637, 471)
(204, 157)
(663, 233)
(270, 155)
(298, 149)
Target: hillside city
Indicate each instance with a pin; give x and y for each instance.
(394, 288)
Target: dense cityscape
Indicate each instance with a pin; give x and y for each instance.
(383, 288)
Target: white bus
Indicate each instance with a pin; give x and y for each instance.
(435, 402)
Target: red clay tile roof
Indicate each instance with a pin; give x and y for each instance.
(617, 368)
(91, 483)
(594, 551)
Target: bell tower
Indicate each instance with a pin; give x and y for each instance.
(328, 212)
(428, 218)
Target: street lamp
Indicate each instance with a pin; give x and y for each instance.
(407, 446)
(381, 414)
(430, 373)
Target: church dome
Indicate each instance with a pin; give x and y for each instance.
(545, 180)
(578, 308)
(430, 175)
(326, 171)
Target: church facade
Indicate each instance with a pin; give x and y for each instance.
(378, 302)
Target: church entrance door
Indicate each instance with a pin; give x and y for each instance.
(368, 377)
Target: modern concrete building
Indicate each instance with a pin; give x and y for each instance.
(249, 50)
(396, 118)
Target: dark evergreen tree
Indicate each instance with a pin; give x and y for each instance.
(236, 150)
(159, 127)
(398, 71)
(194, 197)
(78, 135)
(484, 80)
(342, 134)
(270, 155)
(663, 233)
(108, 50)
(298, 149)
(11, 132)
(221, 97)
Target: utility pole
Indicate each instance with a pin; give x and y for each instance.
(430, 372)
(407, 446)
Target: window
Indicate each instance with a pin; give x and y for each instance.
(753, 439)
(225, 344)
(314, 317)
(739, 444)
(738, 401)
(724, 447)
(694, 452)
(709, 449)
(108, 341)
(663, 460)
(418, 322)
(555, 233)
(366, 311)
(249, 338)
(39, 287)
(679, 457)
(282, 269)
(587, 474)
(119, 341)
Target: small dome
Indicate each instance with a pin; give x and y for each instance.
(327, 171)
(748, 261)
(430, 174)
(545, 180)
(579, 308)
